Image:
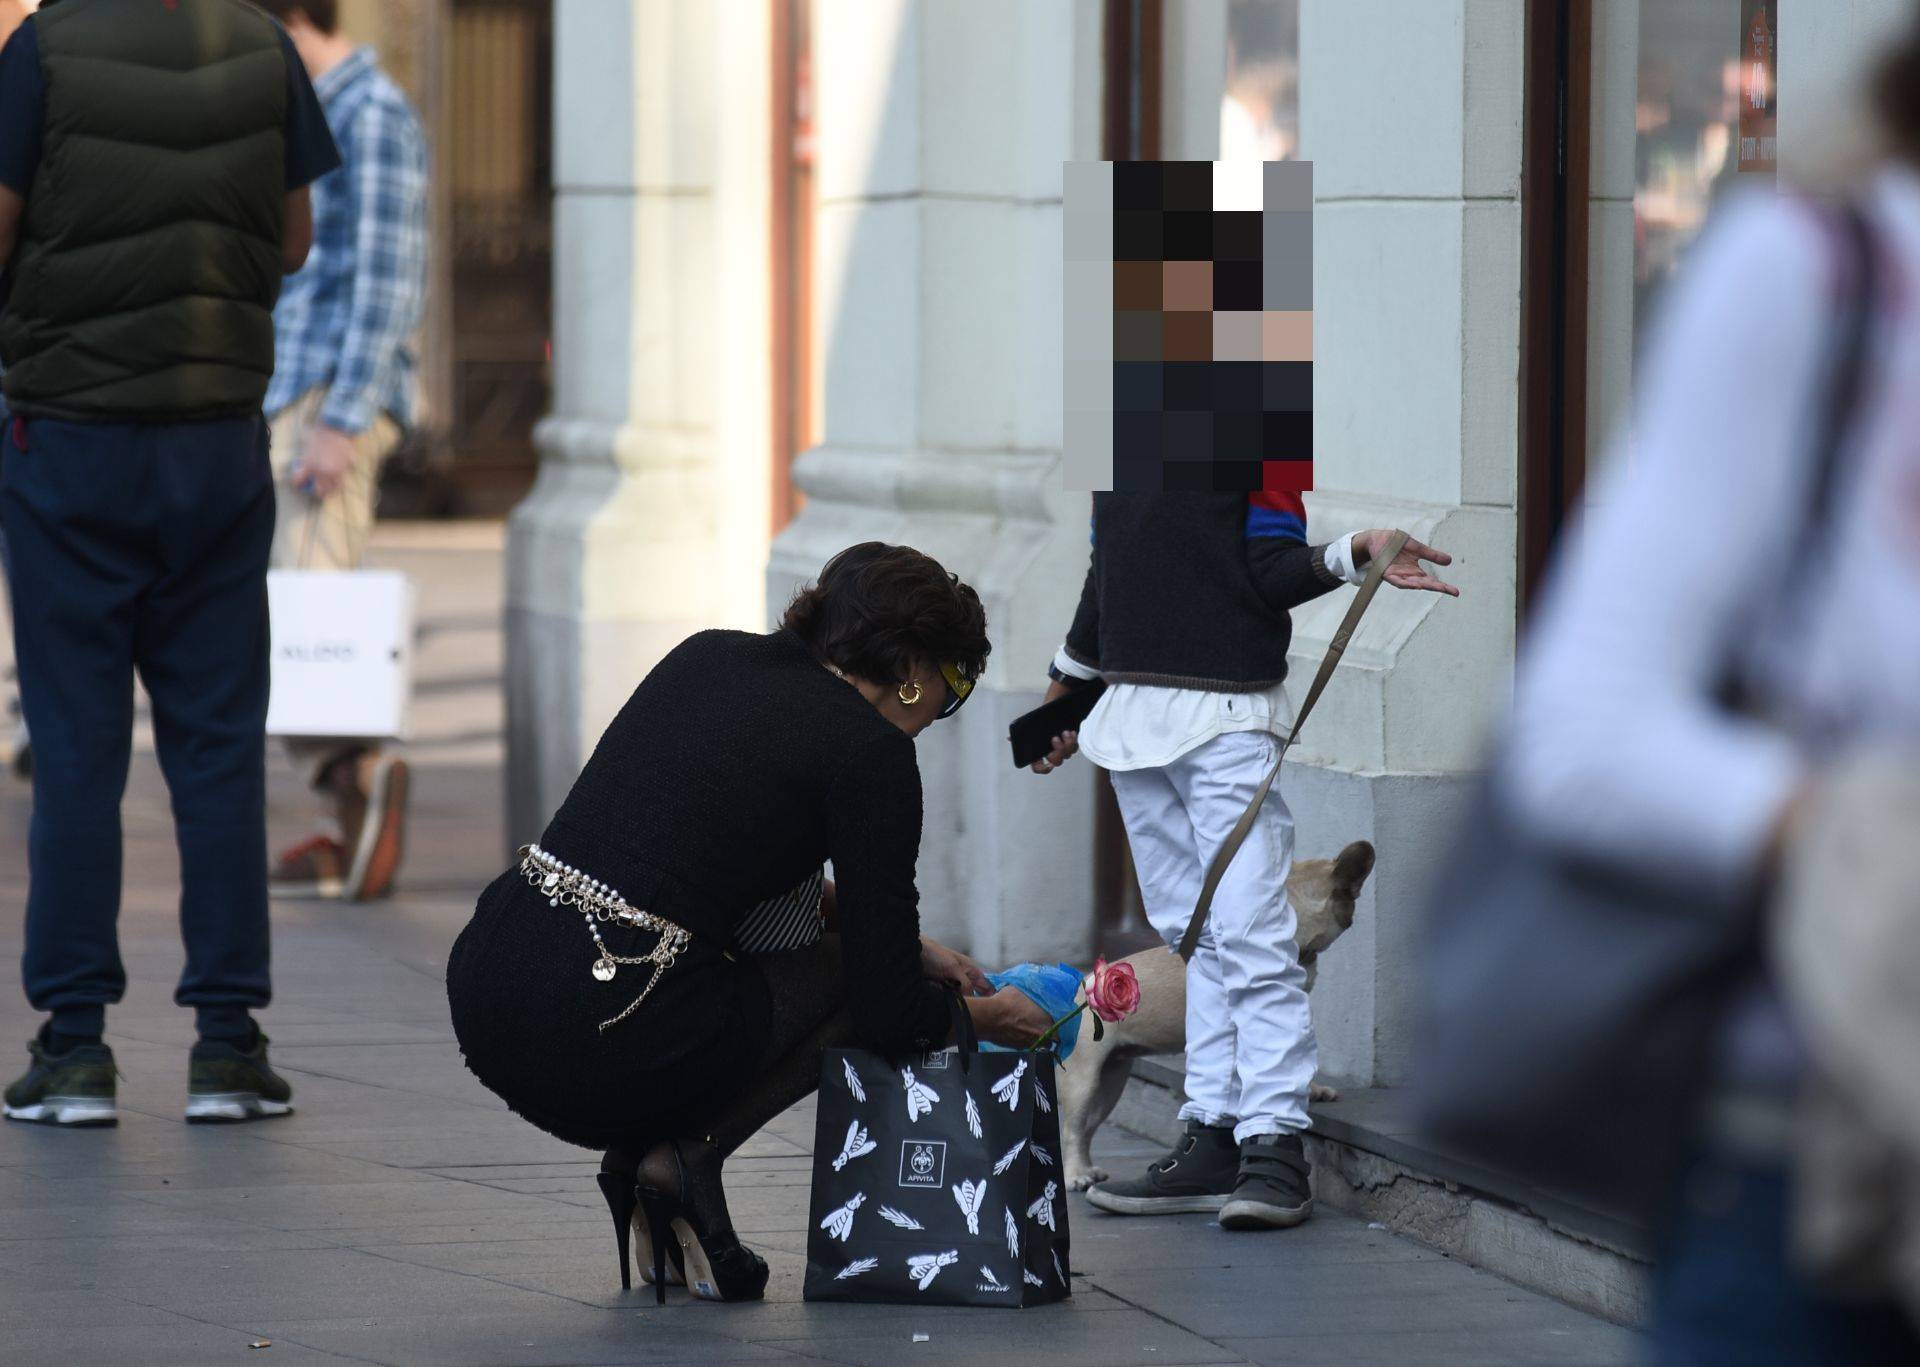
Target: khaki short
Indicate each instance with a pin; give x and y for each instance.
(329, 534)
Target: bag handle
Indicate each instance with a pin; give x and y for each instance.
(1376, 575)
(964, 1033)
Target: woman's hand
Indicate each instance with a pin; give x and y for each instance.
(1406, 571)
(1065, 745)
(1009, 1017)
(951, 966)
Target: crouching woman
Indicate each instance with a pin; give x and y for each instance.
(656, 977)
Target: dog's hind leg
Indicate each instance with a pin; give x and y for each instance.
(1108, 1083)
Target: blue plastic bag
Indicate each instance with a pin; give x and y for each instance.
(1053, 987)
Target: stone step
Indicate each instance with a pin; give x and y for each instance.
(1368, 1160)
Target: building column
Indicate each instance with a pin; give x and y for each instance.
(1417, 313)
(647, 522)
(942, 130)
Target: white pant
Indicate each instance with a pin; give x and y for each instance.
(1250, 1048)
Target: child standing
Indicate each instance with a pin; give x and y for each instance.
(1185, 615)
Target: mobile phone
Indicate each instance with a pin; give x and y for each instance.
(1032, 733)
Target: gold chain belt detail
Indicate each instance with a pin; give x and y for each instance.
(564, 885)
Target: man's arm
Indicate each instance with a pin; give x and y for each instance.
(12, 206)
(298, 239)
(387, 169)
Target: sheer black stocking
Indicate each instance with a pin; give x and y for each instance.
(809, 1016)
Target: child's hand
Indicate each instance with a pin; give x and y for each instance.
(1065, 745)
(1406, 571)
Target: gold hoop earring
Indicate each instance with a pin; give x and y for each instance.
(914, 684)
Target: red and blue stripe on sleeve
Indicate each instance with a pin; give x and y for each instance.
(1271, 513)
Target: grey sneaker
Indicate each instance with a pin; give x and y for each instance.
(1197, 1177)
(74, 1088)
(228, 1083)
(1272, 1191)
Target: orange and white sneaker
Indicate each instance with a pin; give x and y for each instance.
(316, 867)
(380, 842)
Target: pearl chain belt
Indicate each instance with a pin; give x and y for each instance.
(562, 884)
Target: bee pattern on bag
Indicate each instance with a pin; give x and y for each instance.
(862, 1265)
(1007, 1159)
(973, 1118)
(1042, 1209)
(1008, 1087)
(1040, 1099)
(920, 1097)
(1025, 1276)
(858, 1145)
(853, 1080)
(924, 1267)
(899, 1219)
(1058, 1270)
(1046, 1159)
(1013, 1234)
(839, 1223)
(991, 1282)
(969, 1195)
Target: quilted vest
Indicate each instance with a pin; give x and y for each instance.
(150, 250)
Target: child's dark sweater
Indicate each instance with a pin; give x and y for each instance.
(1193, 590)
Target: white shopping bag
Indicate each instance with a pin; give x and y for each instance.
(342, 653)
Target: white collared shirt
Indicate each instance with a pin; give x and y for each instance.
(1144, 726)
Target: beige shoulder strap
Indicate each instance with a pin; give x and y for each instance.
(1376, 574)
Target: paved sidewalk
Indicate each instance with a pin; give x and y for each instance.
(402, 1215)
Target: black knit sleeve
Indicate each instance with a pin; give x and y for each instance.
(873, 838)
(1289, 573)
(1083, 637)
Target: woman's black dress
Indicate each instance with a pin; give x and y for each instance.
(734, 770)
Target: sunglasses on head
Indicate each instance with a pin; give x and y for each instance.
(958, 687)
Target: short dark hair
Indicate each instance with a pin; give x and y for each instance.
(322, 14)
(878, 610)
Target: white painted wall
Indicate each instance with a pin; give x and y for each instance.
(943, 125)
(648, 520)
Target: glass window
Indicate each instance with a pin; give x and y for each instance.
(1704, 111)
(1260, 104)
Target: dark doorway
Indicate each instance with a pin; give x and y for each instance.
(1130, 131)
(493, 148)
(1554, 269)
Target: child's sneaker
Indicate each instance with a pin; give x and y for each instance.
(1273, 1190)
(74, 1088)
(228, 1083)
(1197, 1177)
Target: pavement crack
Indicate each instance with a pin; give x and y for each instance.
(1167, 1320)
(125, 1299)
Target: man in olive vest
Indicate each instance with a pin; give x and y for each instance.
(154, 159)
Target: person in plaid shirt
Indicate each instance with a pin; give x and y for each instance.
(341, 396)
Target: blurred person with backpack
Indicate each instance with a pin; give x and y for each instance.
(1736, 618)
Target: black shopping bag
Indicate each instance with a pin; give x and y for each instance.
(938, 1182)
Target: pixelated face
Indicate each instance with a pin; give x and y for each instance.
(1189, 326)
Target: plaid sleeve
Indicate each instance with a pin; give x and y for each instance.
(387, 169)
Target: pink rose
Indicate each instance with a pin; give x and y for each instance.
(1113, 991)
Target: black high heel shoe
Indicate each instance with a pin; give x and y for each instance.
(618, 1178)
(717, 1266)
